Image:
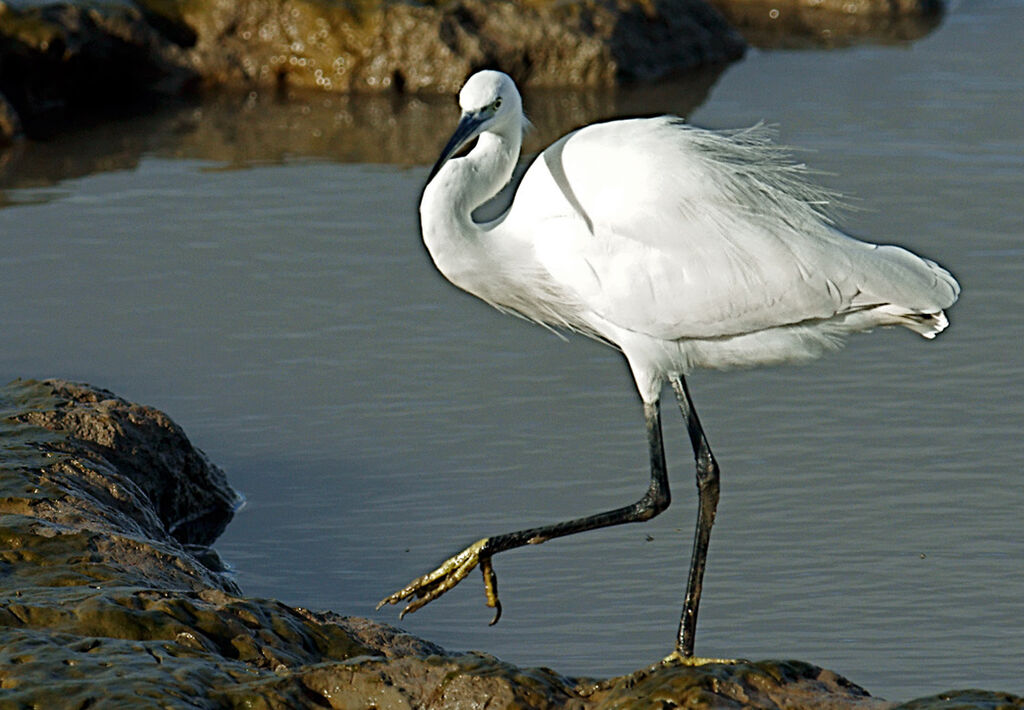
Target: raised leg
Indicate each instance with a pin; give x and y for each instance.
(707, 491)
(425, 589)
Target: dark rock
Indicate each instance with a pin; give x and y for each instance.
(102, 602)
(57, 60)
(830, 23)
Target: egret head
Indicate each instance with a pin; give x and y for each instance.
(490, 101)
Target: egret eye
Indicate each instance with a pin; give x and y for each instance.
(497, 104)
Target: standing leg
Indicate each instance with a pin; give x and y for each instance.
(707, 491)
(430, 586)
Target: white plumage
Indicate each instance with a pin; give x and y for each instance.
(684, 248)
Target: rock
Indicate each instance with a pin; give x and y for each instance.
(64, 60)
(111, 597)
(766, 684)
(107, 491)
(61, 59)
(830, 23)
(435, 46)
(190, 496)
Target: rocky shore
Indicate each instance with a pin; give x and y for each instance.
(64, 60)
(113, 597)
(58, 58)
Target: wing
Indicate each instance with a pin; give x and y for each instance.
(678, 232)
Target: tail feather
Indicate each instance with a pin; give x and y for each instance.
(909, 290)
(927, 324)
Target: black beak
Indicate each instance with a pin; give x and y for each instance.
(468, 129)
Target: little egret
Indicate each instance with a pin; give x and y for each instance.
(683, 248)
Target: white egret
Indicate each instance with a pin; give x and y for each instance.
(682, 247)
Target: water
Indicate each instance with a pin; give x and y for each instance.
(255, 271)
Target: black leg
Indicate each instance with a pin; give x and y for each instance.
(430, 586)
(654, 501)
(707, 491)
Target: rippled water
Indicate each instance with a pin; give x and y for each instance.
(255, 271)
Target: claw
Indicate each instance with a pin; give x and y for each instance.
(491, 588)
(430, 586)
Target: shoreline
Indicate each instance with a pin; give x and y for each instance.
(110, 515)
(61, 62)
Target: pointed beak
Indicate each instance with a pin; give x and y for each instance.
(470, 126)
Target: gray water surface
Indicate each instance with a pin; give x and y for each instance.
(255, 270)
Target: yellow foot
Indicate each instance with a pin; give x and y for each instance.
(677, 658)
(433, 584)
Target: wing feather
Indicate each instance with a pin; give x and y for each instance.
(679, 232)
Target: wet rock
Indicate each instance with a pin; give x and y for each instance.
(743, 684)
(105, 491)
(830, 23)
(190, 496)
(61, 59)
(64, 56)
(65, 61)
(435, 46)
(111, 597)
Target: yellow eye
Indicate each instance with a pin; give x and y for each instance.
(497, 104)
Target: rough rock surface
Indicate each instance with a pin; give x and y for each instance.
(87, 58)
(60, 59)
(96, 490)
(434, 46)
(111, 597)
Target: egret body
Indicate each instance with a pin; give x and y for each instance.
(684, 248)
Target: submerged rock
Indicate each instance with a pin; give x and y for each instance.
(110, 596)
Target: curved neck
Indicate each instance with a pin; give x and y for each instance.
(463, 184)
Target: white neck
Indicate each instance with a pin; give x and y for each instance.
(463, 184)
